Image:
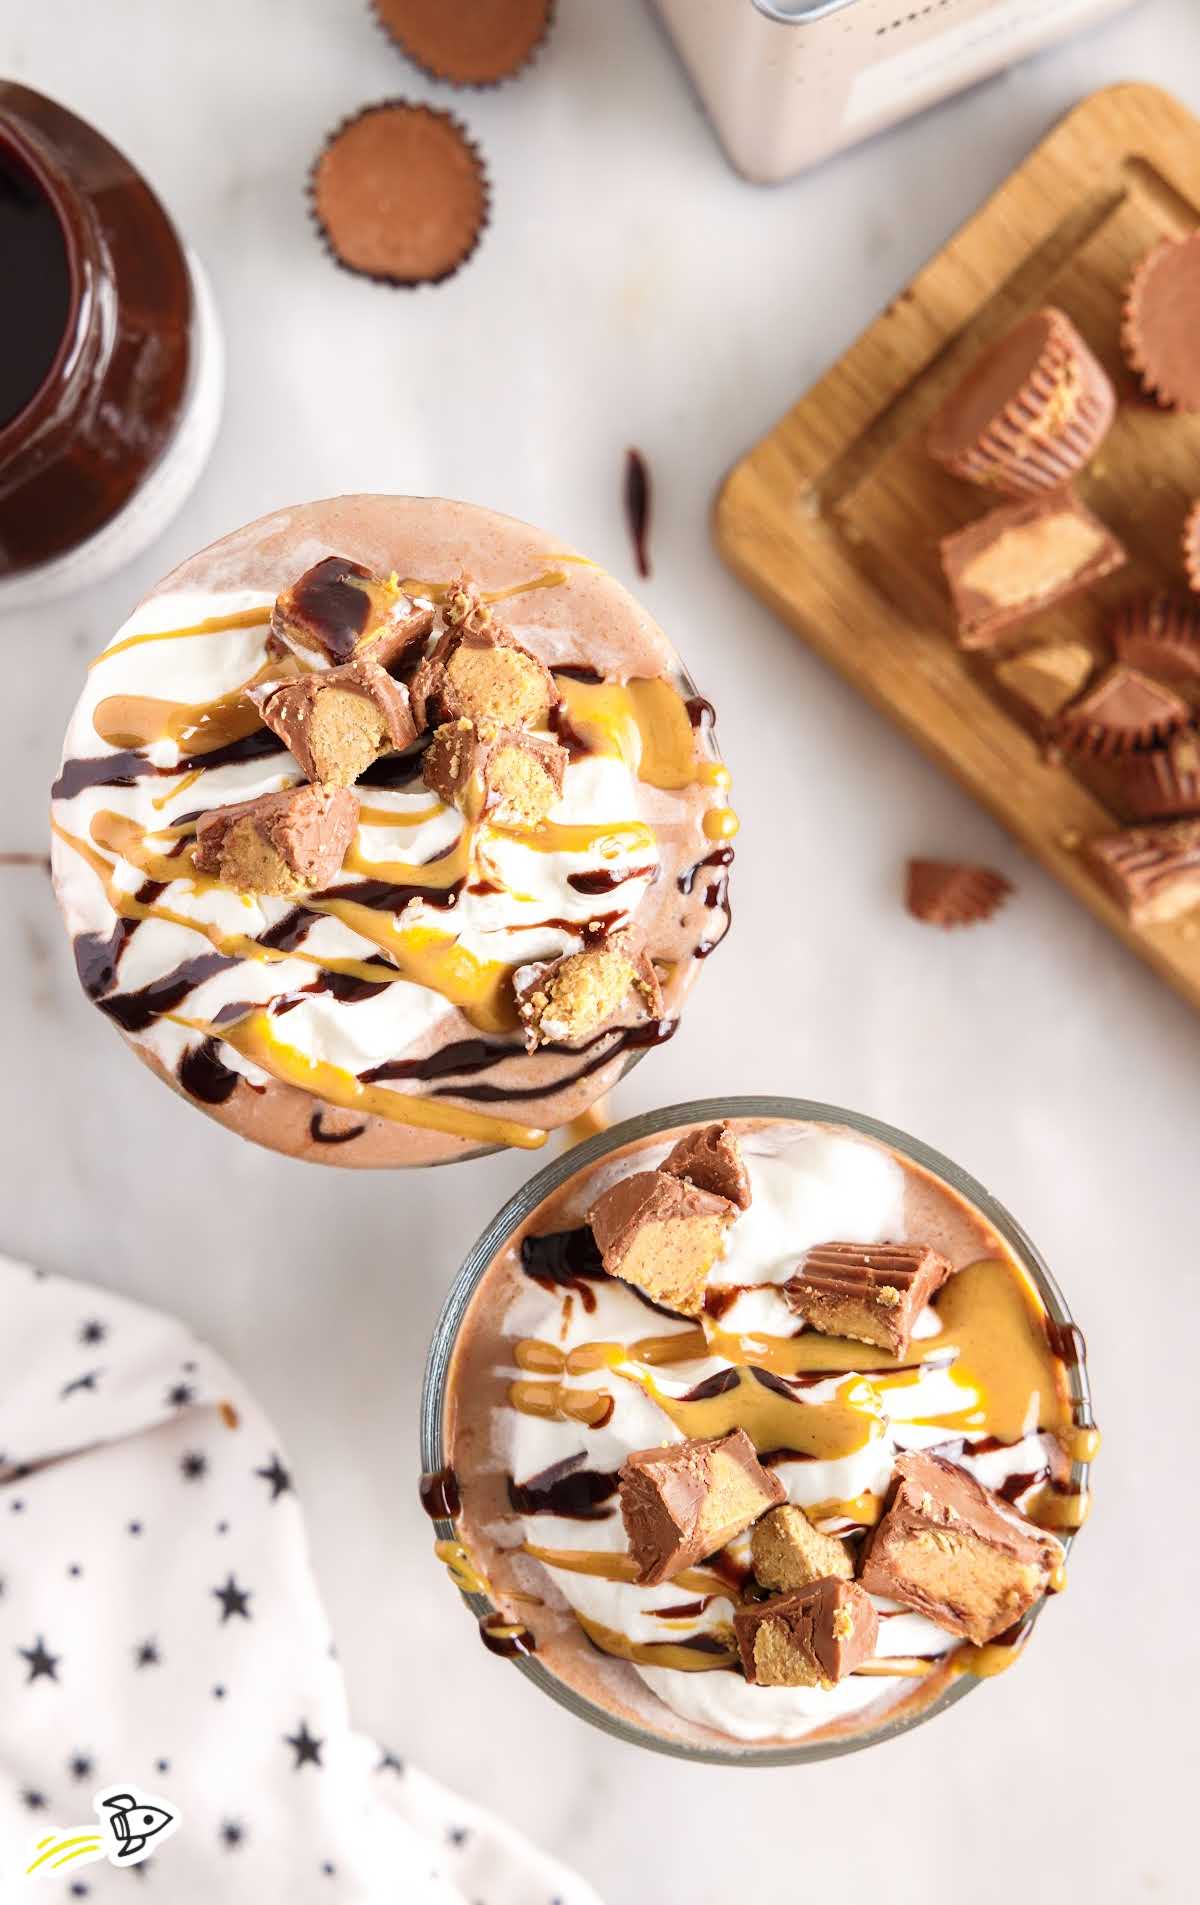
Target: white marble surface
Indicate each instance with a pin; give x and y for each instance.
(631, 289)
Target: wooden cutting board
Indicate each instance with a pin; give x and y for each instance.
(836, 516)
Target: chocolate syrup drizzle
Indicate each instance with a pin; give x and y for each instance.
(637, 508)
(566, 1488)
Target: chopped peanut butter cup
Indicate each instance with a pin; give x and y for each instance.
(340, 611)
(400, 194)
(280, 844)
(336, 721)
(1160, 634)
(1029, 413)
(1021, 558)
(505, 773)
(872, 1293)
(712, 1159)
(479, 672)
(1126, 710)
(788, 1552)
(682, 1502)
(1162, 323)
(813, 1637)
(956, 1552)
(478, 44)
(574, 998)
(1164, 784)
(1042, 680)
(1154, 872)
(662, 1235)
(953, 892)
(1191, 547)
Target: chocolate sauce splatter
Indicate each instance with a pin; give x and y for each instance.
(319, 1135)
(505, 1638)
(203, 1076)
(440, 1496)
(637, 508)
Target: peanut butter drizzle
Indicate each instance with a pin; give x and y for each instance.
(1053, 1508)
(554, 1402)
(604, 1565)
(826, 1430)
(131, 721)
(440, 874)
(255, 1038)
(657, 1653)
(462, 1569)
(387, 817)
(181, 786)
(427, 957)
(612, 840)
(214, 625)
(123, 836)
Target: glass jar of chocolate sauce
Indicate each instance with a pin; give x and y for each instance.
(110, 357)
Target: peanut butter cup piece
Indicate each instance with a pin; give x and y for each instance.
(1164, 784)
(1042, 680)
(1153, 872)
(1162, 323)
(953, 892)
(712, 1158)
(479, 672)
(566, 1000)
(1125, 710)
(872, 1293)
(279, 844)
(1191, 547)
(684, 1501)
(511, 777)
(956, 1552)
(662, 1235)
(400, 194)
(1159, 634)
(1020, 559)
(788, 1552)
(813, 1637)
(339, 611)
(477, 44)
(336, 721)
(1029, 413)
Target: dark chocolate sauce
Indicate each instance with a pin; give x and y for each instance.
(96, 958)
(134, 1011)
(580, 671)
(124, 767)
(637, 508)
(34, 313)
(563, 1257)
(319, 1135)
(203, 1076)
(440, 1496)
(1066, 1342)
(333, 605)
(606, 879)
(383, 897)
(568, 1489)
(496, 1637)
(462, 1055)
(633, 1038)
(722, 857)
(700, 712)
(685, 1611)
(397, 771)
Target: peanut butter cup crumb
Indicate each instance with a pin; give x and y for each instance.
(279, 844)
(688, 1499)
(812, 1637)
(953, 892)
(788, 1552)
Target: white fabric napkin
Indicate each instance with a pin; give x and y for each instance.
(160, 1628)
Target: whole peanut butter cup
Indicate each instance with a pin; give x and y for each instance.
(1159, 634)
(1029, 413)
(400, 194)
(1191, 547)
(1162, 323)
(478, 44)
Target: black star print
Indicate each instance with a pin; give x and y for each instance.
(79, 1889)
(135, 1527)
(218, 1693)
(189, 1369)
(36, 1802)
(42, 1665)
(458, 1835)
(16, 1507)
(222, 1527)
(81, 1767)
(233, 1599)
(307, 1749)
(81, 1382)
(178, 1397)
(93, 1331)
(193, 1466)
(74, 1570)
(277, 1475)
(390, 1764)
(329, 1868)
(147, 1655)
(232, 1833)
(160, 1766)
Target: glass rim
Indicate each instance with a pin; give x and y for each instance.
(535, 1191)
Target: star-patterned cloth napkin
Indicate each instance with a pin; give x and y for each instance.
(170, 1636)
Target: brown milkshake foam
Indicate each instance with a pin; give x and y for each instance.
(561, 1373)
(373, 1020)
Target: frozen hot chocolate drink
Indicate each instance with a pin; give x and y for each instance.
(756, 1435)
(388, 830)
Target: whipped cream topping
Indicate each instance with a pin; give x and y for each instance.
(809, 1185)
(432, 915)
